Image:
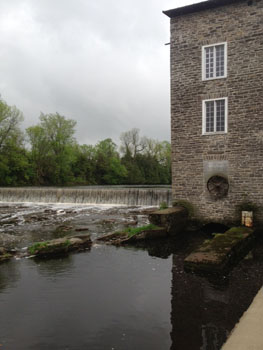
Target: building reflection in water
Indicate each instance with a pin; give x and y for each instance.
(203, 313)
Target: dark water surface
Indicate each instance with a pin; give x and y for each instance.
(108, 298)
(114, 298)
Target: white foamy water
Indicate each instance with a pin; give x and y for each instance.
(92, 196)
(24, 223)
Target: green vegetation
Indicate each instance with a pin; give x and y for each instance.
(132, 231)
(37, 246)
(185, 204)
(67, 243)
(48, 154)
(163, 205)
(47, 246)
(223, 241)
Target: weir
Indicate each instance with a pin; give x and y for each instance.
(125, 196)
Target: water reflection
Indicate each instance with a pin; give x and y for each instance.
(199, 312)
(103, 299)
(123, 298)
(205, 310)
(55, 266)
(9, 274)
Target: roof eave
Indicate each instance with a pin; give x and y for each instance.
(200, 6)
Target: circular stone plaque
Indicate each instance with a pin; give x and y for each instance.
(218, 187)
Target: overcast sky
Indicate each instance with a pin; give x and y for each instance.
(102, 63)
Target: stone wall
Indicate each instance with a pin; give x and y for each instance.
(238, 154)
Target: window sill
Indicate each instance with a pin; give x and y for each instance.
(208, 79)
(214, 133)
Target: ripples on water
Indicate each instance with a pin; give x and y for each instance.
(114, 298)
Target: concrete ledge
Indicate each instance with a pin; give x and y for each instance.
(248, 333)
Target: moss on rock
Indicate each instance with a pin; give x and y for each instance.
(134, 234)
(221, 251)
(60, 245)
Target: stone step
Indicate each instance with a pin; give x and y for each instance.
(219, 253)
(173, 219)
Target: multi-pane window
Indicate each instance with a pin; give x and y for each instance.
(214, 59)
(215, 116)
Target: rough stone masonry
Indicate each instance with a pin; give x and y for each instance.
(202, 162)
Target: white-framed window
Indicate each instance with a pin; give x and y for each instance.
(214, 61)
(215, 116)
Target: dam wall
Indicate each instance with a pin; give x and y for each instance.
(125, 196)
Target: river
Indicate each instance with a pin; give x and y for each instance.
(113, 298)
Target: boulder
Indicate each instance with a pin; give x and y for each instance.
(60, 245)
(173, 219)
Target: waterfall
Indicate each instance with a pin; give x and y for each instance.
(102, 195)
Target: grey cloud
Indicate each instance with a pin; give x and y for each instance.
(102, 63)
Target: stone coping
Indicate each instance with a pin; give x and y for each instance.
(248, 334)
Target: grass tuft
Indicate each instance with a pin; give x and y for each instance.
(131, 231)
(35, 247)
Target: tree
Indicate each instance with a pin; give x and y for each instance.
(52, 143)
(10, 118)
(83, 167)
(132, 143)
(108, 168)
(14, 167)
(147, 161)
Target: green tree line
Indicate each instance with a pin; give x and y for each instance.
(48, 154)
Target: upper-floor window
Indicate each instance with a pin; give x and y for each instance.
(215, 116)
(214, 61)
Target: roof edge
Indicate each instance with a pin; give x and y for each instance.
(200, 6)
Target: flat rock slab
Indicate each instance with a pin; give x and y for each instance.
(119, 238)
(221, 252)
(60, 245)
(173, 219)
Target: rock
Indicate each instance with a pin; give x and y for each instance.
(10, 222)
(4, 255)
(130, 223)
(109, 221)
(80, 229)
(64, 228)
(49, 211)
(173, 219)
(119, 238)
(8, 240)
(219, 253)
(60, 245)
(159, 232)
(249, 256)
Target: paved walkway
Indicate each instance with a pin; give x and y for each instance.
(248, 333)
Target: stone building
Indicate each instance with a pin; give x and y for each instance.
(217, 107)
